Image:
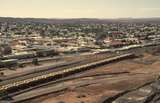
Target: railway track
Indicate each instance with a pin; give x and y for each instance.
(50, 84)
(38, 70)
(53, 68)
(11, 87)
(55, 87)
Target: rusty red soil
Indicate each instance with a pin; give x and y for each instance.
(136, 72)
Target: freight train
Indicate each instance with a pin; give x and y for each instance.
(39, 53)
(61, 73)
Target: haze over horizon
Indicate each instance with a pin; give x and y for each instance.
(80, 8)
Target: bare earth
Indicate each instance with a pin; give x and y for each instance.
(114, 78)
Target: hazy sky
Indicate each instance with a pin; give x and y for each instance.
(80, 8)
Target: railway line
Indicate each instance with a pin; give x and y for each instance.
(12, 86)
(57, 86)
(39, 69)
(74, 61)
(18, 86)
(51, 84)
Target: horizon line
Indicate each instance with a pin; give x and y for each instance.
(78, 17)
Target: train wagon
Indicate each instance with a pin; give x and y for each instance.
(47, 52)
(8, 63)
(19, 56)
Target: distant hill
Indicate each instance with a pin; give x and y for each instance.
(80, 20)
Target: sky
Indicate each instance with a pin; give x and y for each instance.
(80, 8)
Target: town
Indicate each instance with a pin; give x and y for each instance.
(20, 37)
(46, 53)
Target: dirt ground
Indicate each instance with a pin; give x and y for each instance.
(107, 80)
